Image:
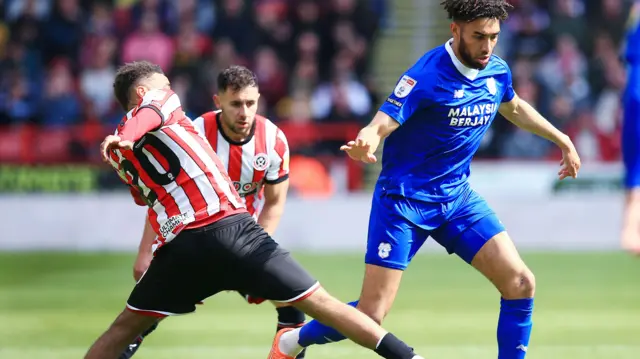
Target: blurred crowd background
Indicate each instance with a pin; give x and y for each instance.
(313, 59)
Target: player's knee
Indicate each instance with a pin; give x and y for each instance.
(376, 315)
(128, 326)
(521, 285)
(317, 304)
(375, 311)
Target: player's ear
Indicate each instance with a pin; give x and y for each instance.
(141, 91)
(216, 101)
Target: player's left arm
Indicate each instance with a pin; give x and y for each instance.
(276, 185)
(275, 196)
(522, 114)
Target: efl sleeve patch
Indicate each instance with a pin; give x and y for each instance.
(404, 86)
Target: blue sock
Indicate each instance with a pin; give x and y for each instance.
(315, 332)
(514, 328)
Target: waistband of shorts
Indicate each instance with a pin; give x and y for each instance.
(223, 223)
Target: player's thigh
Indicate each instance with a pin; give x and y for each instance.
(631, 142)
(398, 227)
(499, 261)
(471, 223)
(183, 273)
(263, 269)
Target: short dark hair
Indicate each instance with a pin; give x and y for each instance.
(235, 78)
(470, 10)
(130, 73)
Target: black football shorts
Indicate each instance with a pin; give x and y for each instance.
(234, 253)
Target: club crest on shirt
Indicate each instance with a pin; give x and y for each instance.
(491, 85)
(404, 86)
(261, 162)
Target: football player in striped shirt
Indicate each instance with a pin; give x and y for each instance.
(255, 154)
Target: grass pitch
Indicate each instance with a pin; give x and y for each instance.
(53, 306)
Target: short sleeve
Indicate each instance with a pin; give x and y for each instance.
(278, 169)
(407, 97)
(508, 92)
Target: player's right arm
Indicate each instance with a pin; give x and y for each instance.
(406, 98)
(150, 116)
(132, 130)
(369, 138)
(145, 250)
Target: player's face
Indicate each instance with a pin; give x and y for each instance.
(238, 109)
(476, 40)
(153, 82)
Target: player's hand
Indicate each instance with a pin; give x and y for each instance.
(141, 265)
(359, 150)
(570, 164)
(112, 142)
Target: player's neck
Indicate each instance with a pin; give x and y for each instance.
(235, 137)
(452, 48)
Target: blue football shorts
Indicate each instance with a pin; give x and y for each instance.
(631, 142)
(399, 226)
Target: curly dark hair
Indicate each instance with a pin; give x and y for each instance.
(236, 78)
(127, 76)
(470, 10)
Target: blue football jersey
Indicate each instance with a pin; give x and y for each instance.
(632, 41)
(632, 53)
(444, 109)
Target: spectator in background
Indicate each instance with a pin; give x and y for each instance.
(97, 76)
(64, 32)
(313, 59)
(18, 105)
(149, 43)
(61, 104)
(272, 78)
(235, 24)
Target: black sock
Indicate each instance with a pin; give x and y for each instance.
(133, 347)
(290, 317)
(390, 347)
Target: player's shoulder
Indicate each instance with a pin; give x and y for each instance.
(159, 97)
(269, 126)
(428, 63)
(426, 72)
(205, 120)
(209, 116)
(272, 133)
(498, 65)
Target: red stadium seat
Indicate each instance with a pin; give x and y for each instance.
(51, 145)
(11, 145)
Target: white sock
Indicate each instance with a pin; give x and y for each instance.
(289, 343)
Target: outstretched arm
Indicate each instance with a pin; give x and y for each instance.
(369, 138)
(523, 115)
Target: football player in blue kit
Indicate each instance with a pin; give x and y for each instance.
(432, 125)
(631, 135)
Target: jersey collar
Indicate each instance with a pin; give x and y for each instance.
(467, 72)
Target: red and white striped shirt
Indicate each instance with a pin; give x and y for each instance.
(175, 171)
(262, 158)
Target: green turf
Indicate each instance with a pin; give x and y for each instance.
(588, 307)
